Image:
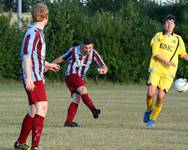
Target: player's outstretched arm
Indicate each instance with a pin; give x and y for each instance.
(51, 66)
(58, 60)
(103, 70)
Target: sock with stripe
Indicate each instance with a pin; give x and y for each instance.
(38, 122)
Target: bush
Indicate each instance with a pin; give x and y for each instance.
(10, 41)
(121, 35)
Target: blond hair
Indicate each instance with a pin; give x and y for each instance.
(39, 12)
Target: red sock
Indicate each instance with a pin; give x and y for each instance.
(88, 102)
(26, 128)
(37, 130)
(71, 112)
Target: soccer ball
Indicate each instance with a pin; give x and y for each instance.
(181, 85)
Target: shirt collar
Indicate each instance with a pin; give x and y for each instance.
(164, 33)
(80, 49)
(35, 26)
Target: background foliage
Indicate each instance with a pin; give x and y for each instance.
(122, 31)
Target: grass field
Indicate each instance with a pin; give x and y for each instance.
(119, 127)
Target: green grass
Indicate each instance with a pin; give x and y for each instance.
(120, 127)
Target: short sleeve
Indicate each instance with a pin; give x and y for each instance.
(67, 55)
(181, 48)
(155, 44)
(97, 59)
(30, 42)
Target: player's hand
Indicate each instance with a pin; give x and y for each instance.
(45, 69)
(29, 85)
(170, 63)
(102, 71)
(53, 67)
(173, 64)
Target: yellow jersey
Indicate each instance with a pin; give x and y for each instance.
(170, 47)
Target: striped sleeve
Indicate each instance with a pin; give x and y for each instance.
(67, 55)
(97, 59)
(30, 42)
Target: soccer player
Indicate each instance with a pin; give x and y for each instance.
(166, 49)
(33, 66)
(79, 59)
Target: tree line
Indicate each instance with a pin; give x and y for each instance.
(122, 31)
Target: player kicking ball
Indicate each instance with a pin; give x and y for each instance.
(33, 66)
(166, 49)
(79, 60)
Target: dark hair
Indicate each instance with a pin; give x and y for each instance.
(88, 40)
(169, 17)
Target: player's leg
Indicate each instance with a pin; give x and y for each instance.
(88, 102)
(158, 105)
(26, 124)
(164, 85)
(149, 102)
(39, 99)
(26, 129)
(38, 122)
(73, 82)
(157, 108)
(150, 97)
(153, 83)
(72, 110)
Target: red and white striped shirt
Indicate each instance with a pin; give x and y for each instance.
(79, 63)
(34, 47)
